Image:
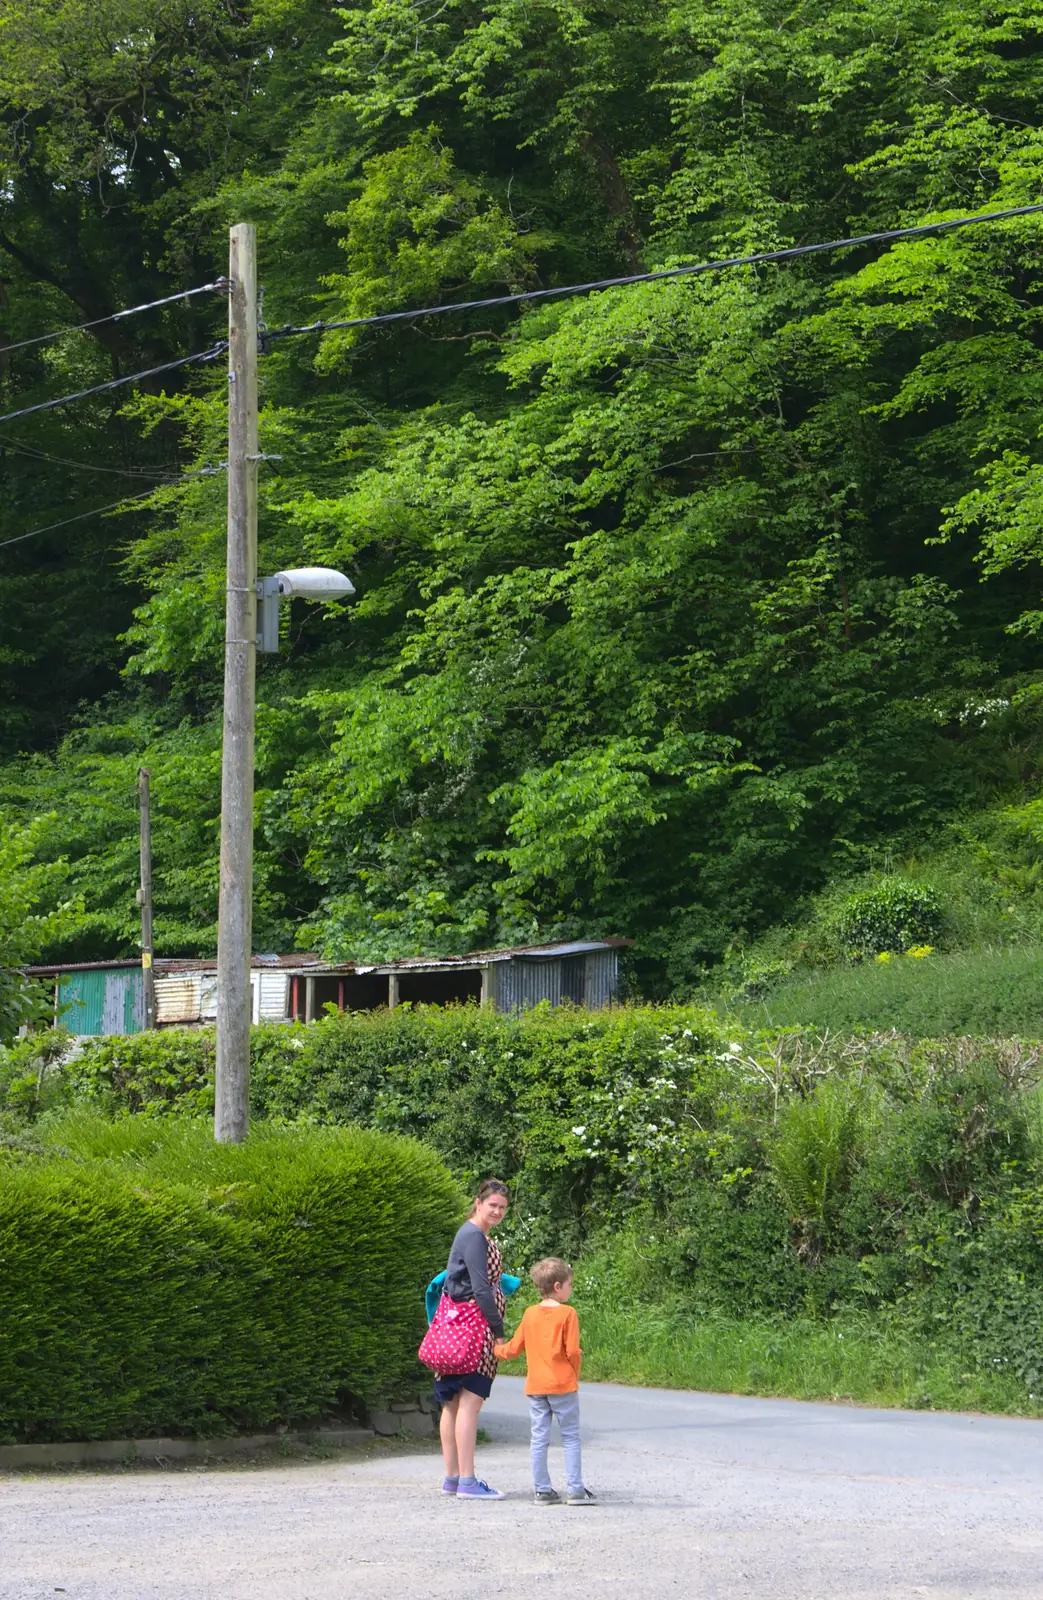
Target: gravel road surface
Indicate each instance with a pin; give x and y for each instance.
(708, 1496)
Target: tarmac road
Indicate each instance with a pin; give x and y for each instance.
(709, 1496)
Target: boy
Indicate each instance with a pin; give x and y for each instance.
(549, 1335)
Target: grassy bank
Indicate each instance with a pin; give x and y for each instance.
(864, 1360)
(983, 993)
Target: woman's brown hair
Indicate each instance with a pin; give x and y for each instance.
(487, 1187)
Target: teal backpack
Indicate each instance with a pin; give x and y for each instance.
(433, 1293)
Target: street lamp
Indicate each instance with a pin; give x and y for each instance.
(235, 904)
(305, 583)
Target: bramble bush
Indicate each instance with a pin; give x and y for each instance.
(154, 1282)
(587, 1113)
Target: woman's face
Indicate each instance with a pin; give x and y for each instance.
(490, 1211)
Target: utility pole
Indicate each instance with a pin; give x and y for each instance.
(235, 914)
(145, 896)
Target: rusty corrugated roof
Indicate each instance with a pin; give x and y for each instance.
(309, 964)
(173, 964)
(473, 958)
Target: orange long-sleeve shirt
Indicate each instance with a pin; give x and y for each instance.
(549, 1335)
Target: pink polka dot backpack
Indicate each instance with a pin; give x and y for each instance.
(454, 1341)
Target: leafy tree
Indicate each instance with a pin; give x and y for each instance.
(669, 597)
(32, 916)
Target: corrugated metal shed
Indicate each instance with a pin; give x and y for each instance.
(601, 978)
(527, 952)
(191, 996)
(108, 996)
(124, 1008)
(589, 979)
(81, 1000)
(207, 996)
(583, 972)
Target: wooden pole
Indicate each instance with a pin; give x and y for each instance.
(235, 912)
(145, 895)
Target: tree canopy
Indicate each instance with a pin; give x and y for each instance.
(673, 599)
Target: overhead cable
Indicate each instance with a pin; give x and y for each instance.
(80, 517)
(115, 505)
(115, 316)
(651, 277)
(115, 383)
(83, 466)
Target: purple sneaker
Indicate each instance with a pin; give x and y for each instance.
(450, 1485)
(478, 1489)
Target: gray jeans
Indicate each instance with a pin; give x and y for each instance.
(542, 1407)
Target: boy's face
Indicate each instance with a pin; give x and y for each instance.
(561, 1291)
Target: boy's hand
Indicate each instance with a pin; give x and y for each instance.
(498, 1351)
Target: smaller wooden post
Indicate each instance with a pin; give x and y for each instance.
(392, 990)
(145, 895)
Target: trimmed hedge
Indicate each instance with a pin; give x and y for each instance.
(154, 1282)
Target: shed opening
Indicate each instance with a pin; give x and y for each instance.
(445, 988)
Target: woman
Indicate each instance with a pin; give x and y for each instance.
(474, 1271)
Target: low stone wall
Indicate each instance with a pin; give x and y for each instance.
(404, 1416)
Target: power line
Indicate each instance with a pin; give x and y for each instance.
(651, 277)
(169, 483)
(790, 253)
(83, 466)
(115, 383)
(115, 316)
(80, 517)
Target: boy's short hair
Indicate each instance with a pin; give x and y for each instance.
(548, 1272)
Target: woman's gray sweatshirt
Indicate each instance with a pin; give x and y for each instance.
(467, 1275)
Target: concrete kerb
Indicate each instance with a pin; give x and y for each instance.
(95, 1452)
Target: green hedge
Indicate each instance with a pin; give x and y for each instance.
(154, 1282)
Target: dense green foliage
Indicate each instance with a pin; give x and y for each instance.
(671, 599)
(692, 1164)
(891, 916)
(32, 915)
(155, 1282)
(944, 942)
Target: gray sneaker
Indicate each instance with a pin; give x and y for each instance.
(546, 1497)
(581, 1497)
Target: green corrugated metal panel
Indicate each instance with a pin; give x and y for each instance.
(84, 994)
(110, 1001)
(134, 1004)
